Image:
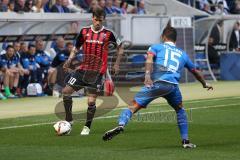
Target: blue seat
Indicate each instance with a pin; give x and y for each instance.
(200, 64)
(138, 60)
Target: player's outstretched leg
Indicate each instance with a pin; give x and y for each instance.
(124, 117)
(141, 100)
(174, 99)
(183, 127)
(67, 101)
(90, 115)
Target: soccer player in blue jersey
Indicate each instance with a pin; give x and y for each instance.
(11, 68)
(163, 67)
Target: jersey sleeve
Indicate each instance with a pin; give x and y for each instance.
(188, 63)
(3, 63)
(55, 62)
(17, 59)
(25, 63)
(46, 60)
(79, 40)
(38, 58)
(152, 50)
(115, 39)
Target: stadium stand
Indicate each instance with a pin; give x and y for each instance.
(127, 18)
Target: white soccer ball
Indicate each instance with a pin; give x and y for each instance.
(62, 128)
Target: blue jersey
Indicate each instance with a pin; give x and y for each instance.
(9, 62)
(28, 61)
(60, 58)
(43, 59)
(168, 62)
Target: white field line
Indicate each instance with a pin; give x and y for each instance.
(114, 116)
(191, 102)
(28, 125)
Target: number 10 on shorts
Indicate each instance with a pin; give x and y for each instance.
(72, 80)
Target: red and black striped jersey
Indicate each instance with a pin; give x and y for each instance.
(95, 45)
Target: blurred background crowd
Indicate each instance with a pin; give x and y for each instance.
(22, 63)
(73, 6)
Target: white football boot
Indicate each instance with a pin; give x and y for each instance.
(85, 131)
(187, 144)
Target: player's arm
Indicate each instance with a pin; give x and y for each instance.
(69, 60)
(191, 67)
(73, 53)
(120, 51)
(79, 42)
(200, 78)
(20, 68)
(148, 70)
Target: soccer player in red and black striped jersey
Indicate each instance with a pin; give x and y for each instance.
(95, 41)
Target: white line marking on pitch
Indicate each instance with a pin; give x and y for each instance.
(191, 102)
(114, 116)
(27, 125)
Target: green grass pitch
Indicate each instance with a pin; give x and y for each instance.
(214, 127)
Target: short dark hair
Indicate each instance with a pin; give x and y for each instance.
(31, 45)
(170, 33)
(99, 12)
(9, 46)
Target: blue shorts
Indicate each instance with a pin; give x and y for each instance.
(166, 90)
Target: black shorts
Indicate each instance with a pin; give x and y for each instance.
(90, 80)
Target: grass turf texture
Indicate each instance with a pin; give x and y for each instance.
(214, 130)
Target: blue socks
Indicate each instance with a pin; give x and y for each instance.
(124, 117)
(182, 123)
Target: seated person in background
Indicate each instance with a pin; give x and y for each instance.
(92, 6)
(141, 7)
(44, 60)
(206, 7)
(65, 6)
(57, 46)
(28, 6)
(59, 8)
(220, 10)
(124, 7)
(22, 52)
(30, 67)
(116, 6)
(16, 46)
(57, 62)
(109, 7)
(19, 6)
(102, 4)
(236, 7)
(4, 5)
(84, 4)
(23, 48)
(213, 56)
(234, 44)
(38, 6)
(73, 7)
(11, 68)
(11, 6)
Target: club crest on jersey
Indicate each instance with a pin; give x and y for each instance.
(103, 35)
